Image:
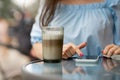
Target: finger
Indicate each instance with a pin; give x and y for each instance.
(72, 51)
(65, 47)
(64, 56)
(117, 51)
(82, 45)
(105, 51)
(68, 53)
(112, 50)
(79, 52)
(68, 50)
(76, 49)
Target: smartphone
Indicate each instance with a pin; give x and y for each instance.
(115, 57)
(87, 59)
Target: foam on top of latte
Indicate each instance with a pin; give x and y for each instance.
(49, 35)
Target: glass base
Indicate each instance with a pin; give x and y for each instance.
(52, 61)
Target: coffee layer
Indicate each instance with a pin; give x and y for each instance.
(52, 49)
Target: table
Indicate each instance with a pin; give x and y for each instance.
(104, 69)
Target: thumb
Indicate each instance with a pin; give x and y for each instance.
(82, 45)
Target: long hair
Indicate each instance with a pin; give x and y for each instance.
(48, 12)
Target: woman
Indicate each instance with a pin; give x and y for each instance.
(96, 22)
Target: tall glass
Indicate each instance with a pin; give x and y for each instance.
(52, 43)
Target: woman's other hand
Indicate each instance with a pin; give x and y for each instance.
(111, 49)
(37, 51)
(70, 49)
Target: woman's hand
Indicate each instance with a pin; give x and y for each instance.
(111, 50)
(37, 50)
(70, 49)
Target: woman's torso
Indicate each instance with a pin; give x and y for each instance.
(91, 23)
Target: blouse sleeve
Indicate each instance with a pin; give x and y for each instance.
(36, 35)
(116, 15)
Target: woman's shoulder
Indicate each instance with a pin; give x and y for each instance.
(112, 3)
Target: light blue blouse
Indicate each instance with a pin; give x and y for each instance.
(98, 24)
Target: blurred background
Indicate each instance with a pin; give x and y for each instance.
(16, 20)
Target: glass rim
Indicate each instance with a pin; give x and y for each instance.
(52, 28)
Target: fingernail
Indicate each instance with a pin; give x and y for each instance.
(81, 54)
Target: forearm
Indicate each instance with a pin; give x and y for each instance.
(38, 50)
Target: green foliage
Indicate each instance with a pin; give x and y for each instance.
(5, 6)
